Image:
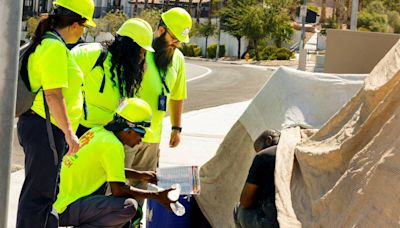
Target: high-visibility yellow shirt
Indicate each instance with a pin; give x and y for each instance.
(100, 159)
(151, 88)
(101, 106)
(51, 66)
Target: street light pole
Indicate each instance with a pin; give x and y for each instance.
(302, 51)
(10, 29)
(219, 33)
(218, 39)
(354, 11)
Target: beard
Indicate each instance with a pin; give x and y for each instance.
(163, 52)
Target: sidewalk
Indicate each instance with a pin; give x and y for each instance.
(203, 131)
(268, 64)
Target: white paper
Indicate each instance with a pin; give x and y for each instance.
(186, 176)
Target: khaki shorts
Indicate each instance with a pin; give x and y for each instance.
(142, 157)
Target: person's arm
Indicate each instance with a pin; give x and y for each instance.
(176, 109)
(248, 197)
(58, 110)
(121, 189)
(144, 176)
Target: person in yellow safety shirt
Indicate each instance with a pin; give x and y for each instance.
(163, 87)
(54, 75)
(101, 159)
(115, 75)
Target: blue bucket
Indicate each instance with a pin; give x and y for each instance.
(158, 216)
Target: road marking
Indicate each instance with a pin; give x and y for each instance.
(270, 68)
(202, 75)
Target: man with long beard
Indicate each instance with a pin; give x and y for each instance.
(163, 87)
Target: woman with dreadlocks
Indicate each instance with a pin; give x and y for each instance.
(113, 71)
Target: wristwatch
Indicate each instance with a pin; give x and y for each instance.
(177, 128)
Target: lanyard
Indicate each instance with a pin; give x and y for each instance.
(163, 82)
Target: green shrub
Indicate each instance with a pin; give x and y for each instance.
(197, 51)
(313, 7)
(272, 53)
(212, 51)
(191, 50)
(394, 21)
(283, 54)
(329, 23)
(252, 54)
(272, 56)
(362, 29)
(373, 21)
(267, 52)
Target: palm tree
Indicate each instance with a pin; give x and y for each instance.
(135, 7)
(166, 5)
(323, 11)
(189, 9)
(339, 11)
(210, 9)
(198, 11)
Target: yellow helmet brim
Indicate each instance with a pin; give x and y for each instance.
(90, 22)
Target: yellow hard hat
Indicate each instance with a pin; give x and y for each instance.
(137, 112)
(85, 8)
(139, 31)
(179, 22)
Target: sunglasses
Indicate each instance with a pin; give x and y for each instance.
(139, 130)
(142, 124)
(172, 35)
(138, 127)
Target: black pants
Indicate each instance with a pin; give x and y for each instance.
(99, 211)
(41, 174)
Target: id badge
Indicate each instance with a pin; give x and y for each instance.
(162, 102)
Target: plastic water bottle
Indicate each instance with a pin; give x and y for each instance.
(177, 208)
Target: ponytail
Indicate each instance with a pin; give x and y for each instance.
(60, 18)
(46, 23)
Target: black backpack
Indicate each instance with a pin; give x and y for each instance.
(25, 95)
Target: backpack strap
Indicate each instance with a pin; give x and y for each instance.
(50, 134)
(51, 36)
(24, 57)
(23, 63)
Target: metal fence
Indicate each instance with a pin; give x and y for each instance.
(133, 10)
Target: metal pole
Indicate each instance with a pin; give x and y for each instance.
(354, 11)
(219, 34)
(303, 22)
(302, 52)
(218, 40)
(11, 12)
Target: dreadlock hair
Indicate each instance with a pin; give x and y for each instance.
(60, 18)
(126, 65)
